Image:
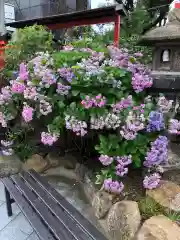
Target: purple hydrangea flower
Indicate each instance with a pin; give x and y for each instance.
(113, 186)
(124, 160)
(105, 160)
(156, 122)
(174, 126)
(121, 170)
(152, 181)
(63, 89)
(158, 154)
(66, 73)
(123, 104)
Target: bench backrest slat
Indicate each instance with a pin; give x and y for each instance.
(67, 207)
(52, 223)
(53, 206)
(28, 211)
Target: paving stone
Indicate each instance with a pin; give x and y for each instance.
(2, 195)
(18, 229)
(4, 219)
(33, 236)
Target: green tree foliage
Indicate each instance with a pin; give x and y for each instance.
(25, 43)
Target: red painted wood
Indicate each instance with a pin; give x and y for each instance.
(108, 19)
(70, 24)
(117, 31)
(2, 50)
(177, 5)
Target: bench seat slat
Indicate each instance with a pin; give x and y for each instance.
(55, 226)
(28, 211)
(63, 216)
(74, 213)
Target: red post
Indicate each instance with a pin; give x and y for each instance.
(2, 50)
(117, 31)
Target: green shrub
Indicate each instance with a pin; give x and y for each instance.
(25, 43)
(93, 95)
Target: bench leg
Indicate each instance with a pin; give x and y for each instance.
(8, 202)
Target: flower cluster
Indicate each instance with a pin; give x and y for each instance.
(77, 126)
(48, 138)
(123, 104)
(141, 78)
(98, 101)
(152, 181)
(123, 162)
(135, 122)
(45, 107)
(158, 154)
(23, 72)
(164, 104)
(156, 122)
(174, 126)
(92, 64)
(6, 95)
(109, 121)
(17, 87)
(6, 147)
(30, 93)
(107, 99)
(27, 113)
(106, 160)
(42, 70)
(66, 73)
(111, 186)
(63, 89)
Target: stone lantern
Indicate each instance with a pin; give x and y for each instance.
(165, 42)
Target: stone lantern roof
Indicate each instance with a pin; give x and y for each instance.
(169, 32)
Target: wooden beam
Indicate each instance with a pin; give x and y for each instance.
(82, 22)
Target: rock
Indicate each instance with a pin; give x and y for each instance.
(53, 160)
(36, 162)
(159, 228)
(123, 220)
(173, 161)
(167, 195)
(101, 203)
(62, 172)
(68, 161)
(9, 165)
(174, 15)
(85, 177)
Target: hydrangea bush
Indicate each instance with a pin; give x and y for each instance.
(84, 91)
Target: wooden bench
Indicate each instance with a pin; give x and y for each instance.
(51, 215)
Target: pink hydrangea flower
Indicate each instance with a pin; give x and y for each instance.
(68, 48)
(18, 87)
(30, 93)
(98, 101)
(23, 73)
(48, 138)
(27, 113)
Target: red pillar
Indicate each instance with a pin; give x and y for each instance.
(117, 31)
(2, 57)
